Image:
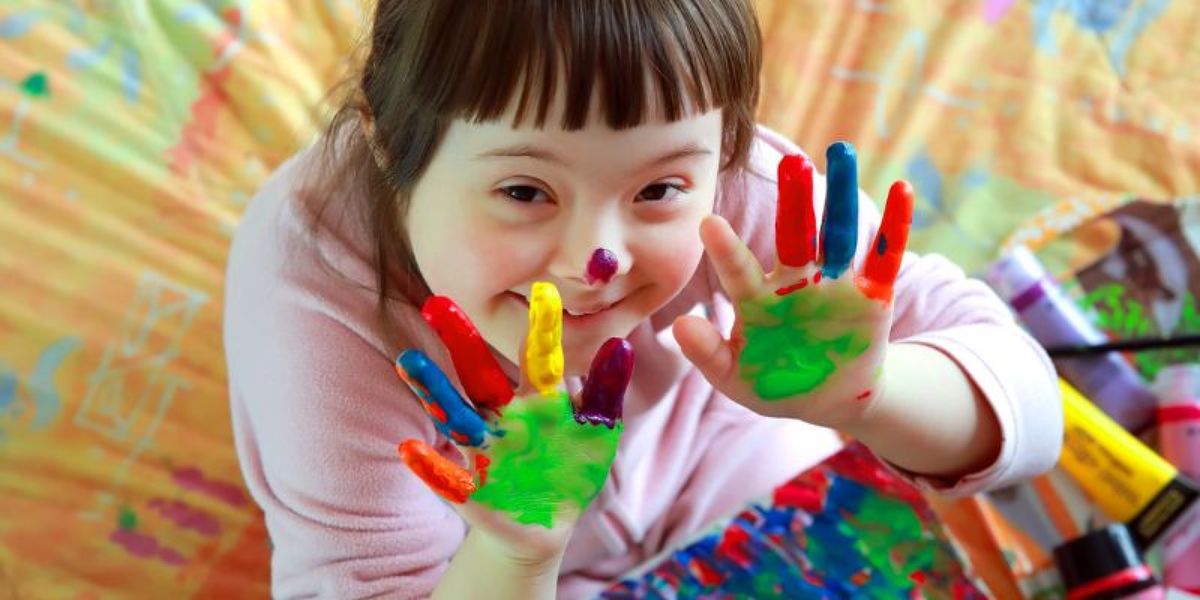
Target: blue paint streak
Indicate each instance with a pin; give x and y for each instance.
(8, 388)
(131, 75)
(192, 13)
(45, 397)
(1147, 13)
(928, 185)
(85, 58)
(431, 385)
(18, 24)
(839, 226)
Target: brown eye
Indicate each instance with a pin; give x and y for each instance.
(524, 193)
(660, 192)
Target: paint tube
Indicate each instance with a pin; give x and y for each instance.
(1123, 477)
(1178, 389)
(1105, 564)
(1054, 320)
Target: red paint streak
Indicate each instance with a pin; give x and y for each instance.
(434, 411)
(199, 134)
(708, 576)
(783, 291)
(733, 546)
(805, 498)
(186, 516)
(481, 466)
(442, 475)
(191, 478)
(861, 578)
(145, 546)
(863, 396)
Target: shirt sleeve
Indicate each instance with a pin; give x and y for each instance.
(936, 305)
(317, 412)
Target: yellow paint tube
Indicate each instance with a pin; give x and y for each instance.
(1125, 478)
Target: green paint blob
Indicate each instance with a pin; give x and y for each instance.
(36, 85)
(545, 460)
(795, 342)
(127, 519)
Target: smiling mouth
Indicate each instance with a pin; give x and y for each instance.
(578, 315)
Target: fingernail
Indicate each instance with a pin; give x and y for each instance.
(543, 346)
(608, 378)
(452, 416)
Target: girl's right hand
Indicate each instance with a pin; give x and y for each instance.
(535, 461)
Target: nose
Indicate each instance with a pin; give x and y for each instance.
(592, 252)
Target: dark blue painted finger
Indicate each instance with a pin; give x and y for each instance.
(451, 414)
(839, 227)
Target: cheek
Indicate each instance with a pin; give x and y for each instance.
(669, 256)
(467, 261)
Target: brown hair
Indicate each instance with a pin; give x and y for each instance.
(432, 61)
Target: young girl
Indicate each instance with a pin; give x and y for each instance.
(606, 149)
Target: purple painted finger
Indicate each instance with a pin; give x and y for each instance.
(604, 390)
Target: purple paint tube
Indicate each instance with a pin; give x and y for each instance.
(1178, 389)
(1054, 320)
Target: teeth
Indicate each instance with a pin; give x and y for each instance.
(583, 314)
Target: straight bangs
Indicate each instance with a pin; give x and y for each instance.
(640, 59)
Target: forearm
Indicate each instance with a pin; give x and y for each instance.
(480, 569)
(930, 419)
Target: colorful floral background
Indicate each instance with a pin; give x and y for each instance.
(133, 132)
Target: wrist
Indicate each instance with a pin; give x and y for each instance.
(531, 561)
(873, 418)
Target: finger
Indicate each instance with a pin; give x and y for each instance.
(441, 474)
(795, 223)
(883, 262)
(543, 345)
(736, 266)
(704, 346)
(604, 391)
(839, 227)
(481, 376)
(451, 414)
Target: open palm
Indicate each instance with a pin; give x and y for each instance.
(811, 335)
(535, 461)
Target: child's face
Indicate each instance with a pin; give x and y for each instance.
(500, 208)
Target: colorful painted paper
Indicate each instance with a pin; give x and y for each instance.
(134, 133)
(847, 528)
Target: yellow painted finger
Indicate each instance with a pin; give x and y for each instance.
(543, 346)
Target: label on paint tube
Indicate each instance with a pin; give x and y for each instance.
(1125, 478)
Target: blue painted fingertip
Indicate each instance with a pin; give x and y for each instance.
(839, 227)
(450, 413)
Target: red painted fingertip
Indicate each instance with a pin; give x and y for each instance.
(482, 378)
(882, 263)
(795, 221)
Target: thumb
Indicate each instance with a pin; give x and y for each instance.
(706, 348)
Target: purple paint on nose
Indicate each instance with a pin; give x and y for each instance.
(602, 266)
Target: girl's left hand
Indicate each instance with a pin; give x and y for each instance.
(811, 336)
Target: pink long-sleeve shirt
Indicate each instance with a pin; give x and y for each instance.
(317, 410)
